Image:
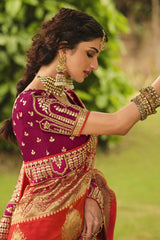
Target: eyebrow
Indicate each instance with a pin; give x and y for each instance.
(95, 49)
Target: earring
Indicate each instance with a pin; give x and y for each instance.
(69, 83)
(61, 68)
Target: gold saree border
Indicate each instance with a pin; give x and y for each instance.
(108, 196)
(59, 165)
(34, 206)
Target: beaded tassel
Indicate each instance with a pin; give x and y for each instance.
(69, 83)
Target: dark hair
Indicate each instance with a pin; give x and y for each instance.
(67, 26)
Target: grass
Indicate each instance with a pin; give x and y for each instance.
(7, 184)
(132, 170)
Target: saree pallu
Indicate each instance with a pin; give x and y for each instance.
(51, 204)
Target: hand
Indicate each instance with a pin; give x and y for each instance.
(92, 219)
(156, 85)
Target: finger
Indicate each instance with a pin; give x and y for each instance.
(96, 225)
(89, 232)
(84, 230)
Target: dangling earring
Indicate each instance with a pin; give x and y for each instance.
(61, 68)
(69, 83)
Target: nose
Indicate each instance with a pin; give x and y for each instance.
(94, 64)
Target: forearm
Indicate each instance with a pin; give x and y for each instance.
(117, 123)
(120, 122)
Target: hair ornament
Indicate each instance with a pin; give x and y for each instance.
(102, 44)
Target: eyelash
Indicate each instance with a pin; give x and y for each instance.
(89, 55)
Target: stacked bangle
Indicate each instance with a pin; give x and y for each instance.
(147, 101)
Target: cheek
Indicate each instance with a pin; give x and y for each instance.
(75, 64)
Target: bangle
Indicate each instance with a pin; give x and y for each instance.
(147, 101)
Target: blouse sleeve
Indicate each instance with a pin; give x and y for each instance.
(56, 117)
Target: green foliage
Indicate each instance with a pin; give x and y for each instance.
(105, 90)
(140, 10)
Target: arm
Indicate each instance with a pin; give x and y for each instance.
(93, 212)
(118, 123)
(92, 219)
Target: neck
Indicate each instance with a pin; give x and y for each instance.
(45, 70)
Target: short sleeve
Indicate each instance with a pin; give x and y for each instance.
(56, 117)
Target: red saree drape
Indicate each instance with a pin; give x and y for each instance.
(57, 175)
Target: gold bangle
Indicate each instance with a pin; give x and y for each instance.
(140, 108)
(147, 101)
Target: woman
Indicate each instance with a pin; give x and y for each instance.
(58, 194)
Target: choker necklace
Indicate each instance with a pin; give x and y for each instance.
(49, 85)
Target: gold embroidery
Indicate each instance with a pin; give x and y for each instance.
(33, 152)
(14, 123)
(30, 113)
(70, 95)
(79, 123)
(96, 194)
(107, 193)
(56, 123)
(38, 139)
(55, 128)
(17, 234)
(17, 116)
(30, 123)
(51, 139)
(47, 153)
(26, 134)
(51, 197)
(41, 170)
(23, 144)
(65, 110)
(24, 103)
(46, 125)
(63, 149)
(72, 226)
(72, 137)
(4, 227)
(20, 114)
(6, 220)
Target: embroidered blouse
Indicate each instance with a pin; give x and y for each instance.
(44, 126)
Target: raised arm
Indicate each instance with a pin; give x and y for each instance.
(117, 123)
(120, 122)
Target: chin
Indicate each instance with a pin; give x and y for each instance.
(80, 80)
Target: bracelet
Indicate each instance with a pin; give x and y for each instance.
(147, 101)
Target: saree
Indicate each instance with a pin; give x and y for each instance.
(57, 174)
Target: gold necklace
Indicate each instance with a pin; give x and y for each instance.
(49, 85)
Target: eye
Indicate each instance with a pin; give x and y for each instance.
(89, 55)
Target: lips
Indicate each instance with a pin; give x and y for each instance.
(86, 73)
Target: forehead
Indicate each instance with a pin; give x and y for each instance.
(95, 43)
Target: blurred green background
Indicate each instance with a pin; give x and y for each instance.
(129, 62)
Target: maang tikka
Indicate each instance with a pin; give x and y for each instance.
(61, 80)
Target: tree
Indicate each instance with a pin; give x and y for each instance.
(105, 90)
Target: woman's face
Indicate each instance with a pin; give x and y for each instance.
(82, 60)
